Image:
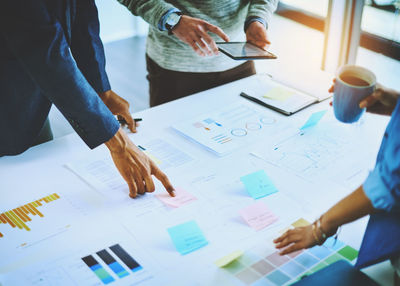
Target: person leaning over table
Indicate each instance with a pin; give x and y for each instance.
(51, 52)
(379, 197)
(183, 32)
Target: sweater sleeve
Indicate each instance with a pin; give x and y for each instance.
(262, 9)
(150, 10)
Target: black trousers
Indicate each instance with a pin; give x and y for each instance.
(167, 85)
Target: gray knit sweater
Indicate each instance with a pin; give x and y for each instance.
(171, 53)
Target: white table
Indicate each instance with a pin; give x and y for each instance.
(41, 171)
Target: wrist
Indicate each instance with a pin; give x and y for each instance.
(327, 225)
(118, 143)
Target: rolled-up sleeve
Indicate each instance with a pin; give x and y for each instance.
(38, 42)
(382, 186)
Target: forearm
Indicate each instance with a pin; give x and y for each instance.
(352, 207)
(150, 10)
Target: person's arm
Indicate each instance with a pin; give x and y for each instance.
(352, 207)
(88, 52)
(192, 31)
(380, 192)
(37, 40)
(256, 24)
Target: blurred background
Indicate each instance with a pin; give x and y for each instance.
(308, 36)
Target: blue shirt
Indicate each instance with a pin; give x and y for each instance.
(382, 186)
(50, 52)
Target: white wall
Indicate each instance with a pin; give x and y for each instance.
(117, 22)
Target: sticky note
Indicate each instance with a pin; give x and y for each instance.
(278, 93)
(181, 198)
(258, 216)
(300, 222)
(258, 184)
(314, 119)
(224, 261)
(187, 237)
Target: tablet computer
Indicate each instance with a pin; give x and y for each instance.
(244, 51)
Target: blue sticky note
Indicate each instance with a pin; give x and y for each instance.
(258, 184)
(187, 237)
(314, 119)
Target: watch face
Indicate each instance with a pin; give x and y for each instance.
(172, 19)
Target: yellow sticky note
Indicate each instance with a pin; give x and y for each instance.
(224, 261)
(300, 222)
(278, 93)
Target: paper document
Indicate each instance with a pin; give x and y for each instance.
(268, 92)
(229, 128)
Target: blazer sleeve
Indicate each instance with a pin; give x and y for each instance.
(86, 46)
(38, 42)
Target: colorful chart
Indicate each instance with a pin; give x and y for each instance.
(260, 266)
(113, 259)
(19, 216)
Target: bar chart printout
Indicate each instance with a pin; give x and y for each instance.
(111, 258)
(20, 216)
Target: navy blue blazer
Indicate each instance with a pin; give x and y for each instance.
(51, 52)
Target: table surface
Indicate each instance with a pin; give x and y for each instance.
(41, 171)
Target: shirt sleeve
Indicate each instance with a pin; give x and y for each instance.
(150, 10)
(262, 9)
(38, 42)
(382, 186)
(86, 46)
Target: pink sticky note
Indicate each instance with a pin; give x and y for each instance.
(181, 198)
(258, 216)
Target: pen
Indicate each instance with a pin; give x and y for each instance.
(123, 121)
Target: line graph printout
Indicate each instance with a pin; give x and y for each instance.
(229, 128)
(327, 151)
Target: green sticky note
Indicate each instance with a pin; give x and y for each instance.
(278, 93)
(187, 237)
(349, 253)
(258, 184)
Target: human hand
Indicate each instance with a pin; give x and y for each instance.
(120, 107)
(256, 34)
(194, 32)
(295, 239)
(135, 167)
(382, 101)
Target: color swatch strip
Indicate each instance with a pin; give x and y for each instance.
(19, 216)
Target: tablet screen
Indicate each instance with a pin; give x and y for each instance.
(243, 50)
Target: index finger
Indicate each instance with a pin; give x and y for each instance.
(218, 31)
(130, 122)
(164, 180)
(368, 101)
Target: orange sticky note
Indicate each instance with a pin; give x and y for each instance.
(181, 198)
